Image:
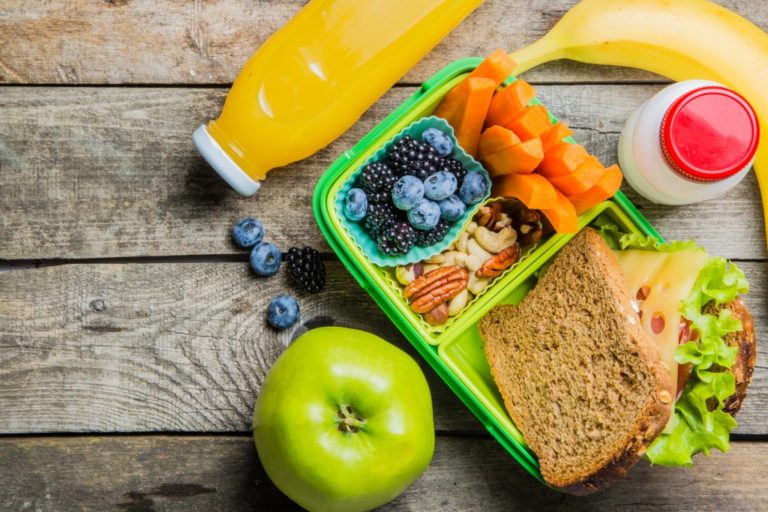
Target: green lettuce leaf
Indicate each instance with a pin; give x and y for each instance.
(618, 240)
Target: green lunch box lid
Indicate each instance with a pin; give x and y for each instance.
(454, 353)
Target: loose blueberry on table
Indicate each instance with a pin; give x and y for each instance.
(282, 312)
(265, 259)
(248, 232)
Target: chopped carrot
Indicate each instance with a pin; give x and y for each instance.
(563, 215)
(604, 188)
(508, 103)
(532, 189)
(495, 139)
(562, 159)
(465, 107)
(532, 122)
(520, 158)
(580, 180)
(555, 135)
(497, 66)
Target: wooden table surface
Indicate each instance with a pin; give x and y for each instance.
(132, 334)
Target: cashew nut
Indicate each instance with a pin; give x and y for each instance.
(458, 303)
(476, 284)
(404, 275)
(429, 268)
(495, 242)
(461, 243)
(477, 255)
(471, 227)
(461, 259)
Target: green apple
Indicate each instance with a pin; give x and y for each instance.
(343, 422)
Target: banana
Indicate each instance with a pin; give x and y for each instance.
(679, 39)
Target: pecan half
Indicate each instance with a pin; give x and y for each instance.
(432, 289)
(494, 266)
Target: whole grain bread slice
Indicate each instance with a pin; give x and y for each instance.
(580, 377)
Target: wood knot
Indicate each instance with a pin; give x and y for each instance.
(98, 305)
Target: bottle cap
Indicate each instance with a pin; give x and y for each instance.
(223, 164)
(709, 134)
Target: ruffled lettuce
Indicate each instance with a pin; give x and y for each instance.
(698, 423)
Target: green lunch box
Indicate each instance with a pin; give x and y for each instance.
(456, 352)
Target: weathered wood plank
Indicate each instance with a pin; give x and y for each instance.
(112, 172)
(184, 346)
(75, 42)
(212, 474)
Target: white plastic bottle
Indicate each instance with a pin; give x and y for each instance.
(693, 141)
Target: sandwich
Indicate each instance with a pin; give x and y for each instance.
(625, 348)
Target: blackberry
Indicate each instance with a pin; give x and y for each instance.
(417, 158)
(454, 167)
(378, 218)
(379, 197)
(397, 239)
(434, 235)
(307, 269)
(377, 177)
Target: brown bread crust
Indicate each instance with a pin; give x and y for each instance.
(745, 340)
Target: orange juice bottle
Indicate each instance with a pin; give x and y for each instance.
(313, 78)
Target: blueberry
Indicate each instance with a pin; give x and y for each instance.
(473, 188)
(265, 259)
(283, 312)
(440, 185)
(248, 232)
(452, 208)
(355, 204)
(425, 215)
(407, 192)
(438, 140)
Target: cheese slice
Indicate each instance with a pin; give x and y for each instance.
(660, 281)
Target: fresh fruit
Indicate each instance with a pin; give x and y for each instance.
(535, 191)
(452, 208)
(440, 185)
(425, 215)
(555, 135)
(562, 215)
(468, 114)
(265, 259)
(407, 192)
(454, 167)
(343, 421)
(398, 238)
(495, 139)
(355, 204)
(410, 156)
(438, 140)
(434, 235)
(509, 102)
(377, 177)
(521, 158)
(282, 312)
(380, 216)
(473, 188)
(607, 185)
(684, 39)
(581, 179)
(497, 66)
(248, 232)
(562, 159)
(306, 268)
(532, 122)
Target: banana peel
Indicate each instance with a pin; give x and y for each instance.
(679, 39)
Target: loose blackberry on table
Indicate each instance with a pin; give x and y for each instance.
(306, 268)
(398, 238)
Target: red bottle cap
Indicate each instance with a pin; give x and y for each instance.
(709, 134)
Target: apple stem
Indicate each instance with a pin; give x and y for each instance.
(349, 421)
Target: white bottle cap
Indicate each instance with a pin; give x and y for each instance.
(223, 164)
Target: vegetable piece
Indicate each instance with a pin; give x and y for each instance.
(555, 135)
(521, 158)
(508, 103)
(532, 189)
(563, 215)
(582, 179)
(607, 185)
(532, 122)
(562, 159)
(497, 66)
(494, 139)
(465, 110)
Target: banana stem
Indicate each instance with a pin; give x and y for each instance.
(538, 52)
